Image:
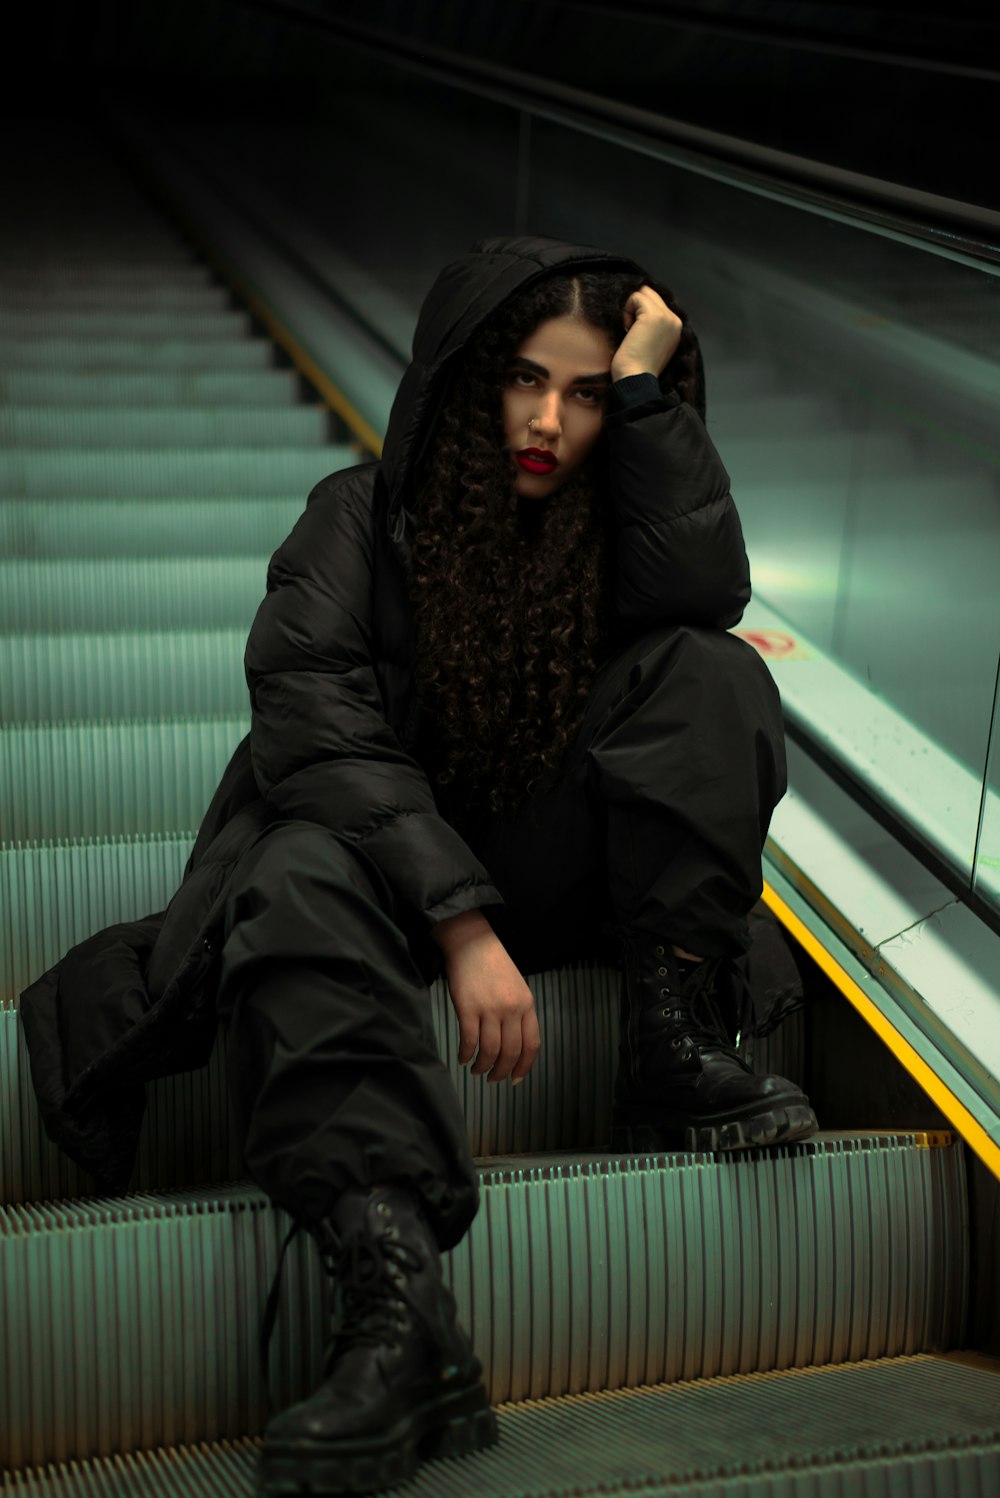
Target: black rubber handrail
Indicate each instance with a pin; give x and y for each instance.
(748, 28)
(945, 226)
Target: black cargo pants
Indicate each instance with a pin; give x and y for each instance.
(657, 821)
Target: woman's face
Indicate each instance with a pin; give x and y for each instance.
(557, 379)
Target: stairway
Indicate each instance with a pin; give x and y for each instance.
(786, 1322)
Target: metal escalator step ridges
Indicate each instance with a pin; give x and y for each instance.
(55, 894)
(113, 677)
(615, 1273)
(186, 1138)
(535, 1449)
(42, 427)
(31, 299)
(138, 325)
(69, 780)
(205, 388)
(165, 472)
(96, 529)
(209, 354)
(125, 593)
(103, 275)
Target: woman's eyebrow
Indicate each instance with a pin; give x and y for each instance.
(603, 377)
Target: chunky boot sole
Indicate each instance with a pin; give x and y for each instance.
(455, 1426)
(644, 1128)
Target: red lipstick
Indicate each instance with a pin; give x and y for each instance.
(535, 460)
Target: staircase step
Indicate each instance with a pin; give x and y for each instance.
(195, 325)
(83, 780)
(166, 472)
(130, 593)
(54, 388)
(803, 1433)
(102, 677)
(611, 1271)
(161, 427)
(143, 355)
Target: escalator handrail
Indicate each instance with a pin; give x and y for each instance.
(966, 232)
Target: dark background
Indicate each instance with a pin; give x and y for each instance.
(906, 94)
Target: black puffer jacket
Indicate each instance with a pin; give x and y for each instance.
(334, 725)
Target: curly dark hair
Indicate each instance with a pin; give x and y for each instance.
(510, 596)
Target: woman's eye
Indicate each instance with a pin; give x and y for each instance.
(520, 374)
(592, 396)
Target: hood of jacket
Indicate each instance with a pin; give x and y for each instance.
(465, 293)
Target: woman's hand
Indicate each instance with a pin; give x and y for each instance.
(652, 333)
(495, 1007)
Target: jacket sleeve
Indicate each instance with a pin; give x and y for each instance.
(321, 747)
(679, 551)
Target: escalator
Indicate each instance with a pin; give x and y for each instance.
(791, 1321)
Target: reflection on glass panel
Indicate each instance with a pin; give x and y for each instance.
(987, 870)
(852, 400)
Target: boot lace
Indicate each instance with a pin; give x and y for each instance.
(704, 1019)
(368, 1292)
(364, 1291)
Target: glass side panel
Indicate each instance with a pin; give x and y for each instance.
(851, 379)
(987, 870)
(851, 398)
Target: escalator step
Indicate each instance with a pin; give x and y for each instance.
(43, 528)
(195, 325)
(112, 779)
(131, 593)
(53, 896)
(102, 294)
(160, 427)
(53, 388)
(556, 1448)
(173, 353)
(167, 473)
(623, 1442)
(582, 1271)
(104, 275)
(176, 673)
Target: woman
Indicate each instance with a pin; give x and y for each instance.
(498, 725)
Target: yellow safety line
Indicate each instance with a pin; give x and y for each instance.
(971, 1131)
(306, 364)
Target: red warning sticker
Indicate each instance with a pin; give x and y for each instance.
(775, 644)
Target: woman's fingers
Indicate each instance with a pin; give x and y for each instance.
(468, 1037)
(531, 1044)
(489, 1045)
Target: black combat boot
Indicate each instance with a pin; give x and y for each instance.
(401, 1383)
(682, 1081)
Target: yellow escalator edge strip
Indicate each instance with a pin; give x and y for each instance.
(971, 1131)
(306, 364)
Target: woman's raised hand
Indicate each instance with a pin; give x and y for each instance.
(652, 333)
(495, 1007)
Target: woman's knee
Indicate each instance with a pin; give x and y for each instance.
(693, 663)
